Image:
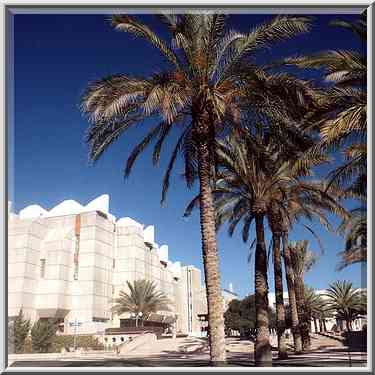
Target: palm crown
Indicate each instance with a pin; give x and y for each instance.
(341, 109)
(355, 231)
(253, 177)
(302, 258)
(143, 297)
(347, 302)
(208, 73)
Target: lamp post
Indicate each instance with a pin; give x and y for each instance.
(75, 335)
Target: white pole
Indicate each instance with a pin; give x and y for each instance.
(75, 335)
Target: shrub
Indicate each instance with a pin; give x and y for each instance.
(67, 341)
(43, 334)
(18, 331)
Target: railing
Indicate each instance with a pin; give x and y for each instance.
(134, 330)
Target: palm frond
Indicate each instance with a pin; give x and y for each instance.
(131, 25)
(170, 167)
(140, 147)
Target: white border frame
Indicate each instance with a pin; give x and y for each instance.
(85, 5)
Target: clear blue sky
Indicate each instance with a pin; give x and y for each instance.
(55, 57)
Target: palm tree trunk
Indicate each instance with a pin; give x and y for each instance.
(263, 354)
(280, 309)
(292, 295)
(348, 326)
(315, 326)
(210, 258)
(300, 291)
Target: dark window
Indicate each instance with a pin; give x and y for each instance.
(113, 339)
(102, 214)
(42, 268)
(122, 339)
(101, 320)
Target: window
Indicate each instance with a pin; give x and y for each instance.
(113, 339)
(106, 339)
(75, 271)
(42, 268)
(101, 320)
(122, 339)
(77, 239)
(102, 214)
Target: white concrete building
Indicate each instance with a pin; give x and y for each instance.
(70, 262)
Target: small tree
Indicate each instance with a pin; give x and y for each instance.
(18, 332)
(43, 334)
(348, 303)
(232, 317)
(241, 316)
(142, 300)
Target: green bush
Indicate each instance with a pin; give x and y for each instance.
(43, 334)
(67, 342)
(18, 331)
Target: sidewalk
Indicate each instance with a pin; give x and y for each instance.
(194, 352)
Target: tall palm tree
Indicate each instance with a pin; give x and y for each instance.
(142, 300)
(254, 183)
(274, 220)
(302, 261)
(348, 303)
(203, 79)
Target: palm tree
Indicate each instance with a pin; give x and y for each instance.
(274, 220)
(302, 261)
(142, 300)
(286, 198)
(348, 303)
(205, 75)
(254, 183)
(314, 307)
(355, 231)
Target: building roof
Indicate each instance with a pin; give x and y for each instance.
(67, 207)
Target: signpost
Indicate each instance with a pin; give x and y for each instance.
(75, 324)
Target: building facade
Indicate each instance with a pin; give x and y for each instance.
(71, 262)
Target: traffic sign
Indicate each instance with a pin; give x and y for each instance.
(75, 324)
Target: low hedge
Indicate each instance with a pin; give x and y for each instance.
(67, 341)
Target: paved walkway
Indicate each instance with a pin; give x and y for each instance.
(325, 352)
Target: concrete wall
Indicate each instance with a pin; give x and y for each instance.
(191, 299)
(25, 243)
